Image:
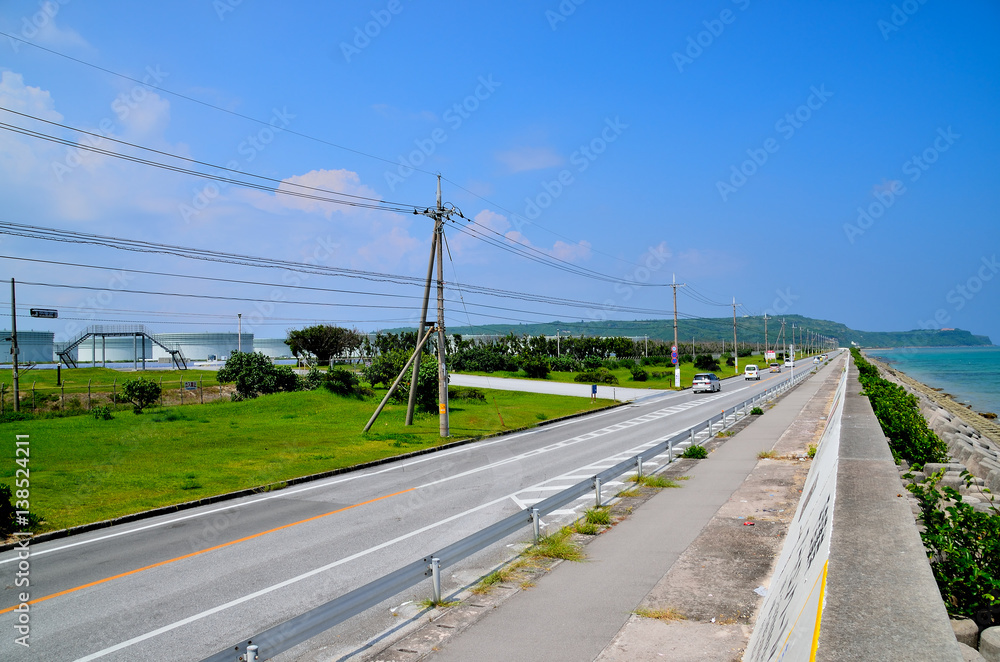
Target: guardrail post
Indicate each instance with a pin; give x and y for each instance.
(251, 653)
(536, 524)
(638, 467)
(436, 578)
(597, 491)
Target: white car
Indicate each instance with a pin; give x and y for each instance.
(789, 363)
(751, 372)
(706, 381)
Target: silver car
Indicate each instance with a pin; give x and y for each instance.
(706, 381)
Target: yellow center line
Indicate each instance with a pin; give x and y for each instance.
(209, 549)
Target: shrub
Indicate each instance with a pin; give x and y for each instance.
(8, 515)
(639, 375)
(695, 452)
(102, 413)
(685, 358)
(535, 366)
(254, 374)
(628, 364)
(599, 376)
(706, 362)
(756, 411)
(564, 364)
(464, 393)
(386, 367)
(963, 545)
(342, 382)
(141, 392)
(591, 363)
(14, 416)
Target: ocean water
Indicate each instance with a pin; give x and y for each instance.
(970, 374)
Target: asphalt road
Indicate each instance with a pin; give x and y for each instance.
(183, 586)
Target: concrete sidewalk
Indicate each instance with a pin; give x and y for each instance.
(579, 608)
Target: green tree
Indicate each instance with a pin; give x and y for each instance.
(386, 367)
(323, 342)
(141, 392)
(254, 374)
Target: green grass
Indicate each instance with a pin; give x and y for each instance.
(557, 546)
(695, 452)
(75, 379)
(85, 470)
(668, 614)
(653, 481)
(767, 455)
(598, 516)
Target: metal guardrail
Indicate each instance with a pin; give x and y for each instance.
(301, 628)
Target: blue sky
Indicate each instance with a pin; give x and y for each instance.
(834, 160)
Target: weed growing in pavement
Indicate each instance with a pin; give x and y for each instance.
(756, 411)
(812, 451)
(695, 452)
(725, 433)
(586, 528)
(600, 516)
(767, 455)
(430, 604)
(632, 492)
(668, 614)
(654, 480)
(557, 546)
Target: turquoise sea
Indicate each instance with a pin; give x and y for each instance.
(970, 374)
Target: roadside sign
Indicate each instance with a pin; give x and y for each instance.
(673, 354)
(190, 386)
(44, 312)
(770, 355)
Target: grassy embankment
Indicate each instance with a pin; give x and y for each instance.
(85, 470)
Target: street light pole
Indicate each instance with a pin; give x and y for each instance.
(239, 333)
(13, 346)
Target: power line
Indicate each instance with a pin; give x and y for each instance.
(205, 103)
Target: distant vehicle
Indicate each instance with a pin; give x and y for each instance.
(823, 358)
(775, 367)
(789, 363)
(751, 372)
(706, 381)
(816, 360)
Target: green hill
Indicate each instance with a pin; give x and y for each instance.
(749, 330)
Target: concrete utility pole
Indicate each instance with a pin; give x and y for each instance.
(736, 352)
(239, 333)
(677, 366)
(766, 346)
(13, 345)
(439, 214)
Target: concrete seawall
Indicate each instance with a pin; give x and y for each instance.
(882, 601)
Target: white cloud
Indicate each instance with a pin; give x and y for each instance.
(521, 159)
(341, 181)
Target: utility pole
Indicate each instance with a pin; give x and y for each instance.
(239, 333)
(766, 346)
(677, 366)
(439, 214)
(736, 352)
(13, 345)
(793, 340)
